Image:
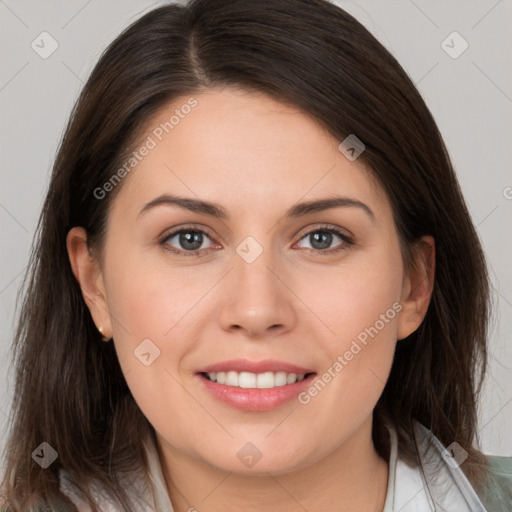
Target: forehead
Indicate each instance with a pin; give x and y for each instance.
(245, 150)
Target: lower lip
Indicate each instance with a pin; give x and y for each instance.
(255, 399)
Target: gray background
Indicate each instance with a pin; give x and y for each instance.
(470, 97)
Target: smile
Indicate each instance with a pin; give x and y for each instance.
(254, 385)
(250, 380)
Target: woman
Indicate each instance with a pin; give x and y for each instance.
(256, 282)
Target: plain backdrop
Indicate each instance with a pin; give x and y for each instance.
(469, 91)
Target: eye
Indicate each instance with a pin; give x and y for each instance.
(192, 241)
(322, 238)
(186, 241)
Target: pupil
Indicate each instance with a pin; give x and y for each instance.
(323, 237)
(191, 240)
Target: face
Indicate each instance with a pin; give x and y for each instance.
(259, 320)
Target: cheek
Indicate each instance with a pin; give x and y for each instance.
(149, 317)
(360, 304)
(357, 298)
(150, 298)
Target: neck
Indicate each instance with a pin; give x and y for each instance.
(352, 478)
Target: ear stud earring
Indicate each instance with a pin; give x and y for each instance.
(103, 337)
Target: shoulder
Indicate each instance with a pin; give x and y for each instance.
(78, 499)
(139, 495)
(71, 492)
(56, 503)
(501, 466)
(497, 495)
(449, 486)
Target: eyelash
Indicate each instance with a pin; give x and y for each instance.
(347, 241)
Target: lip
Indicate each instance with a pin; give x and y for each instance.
(254, 399)
(245, 365)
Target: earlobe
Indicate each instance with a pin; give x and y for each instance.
(417, 287)
(87, 272)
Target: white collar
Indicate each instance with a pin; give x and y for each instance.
(436, 483)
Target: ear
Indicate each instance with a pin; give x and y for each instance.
(87, 271)
(417, 287)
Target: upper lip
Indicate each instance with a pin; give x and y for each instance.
(245, 365)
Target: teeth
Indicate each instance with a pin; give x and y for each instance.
(252, 380)
(247, 380)
(265, 380)
(291, 378)
(279, 379)
(231, 379)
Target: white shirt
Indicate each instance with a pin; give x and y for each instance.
(409, 488)
(441, 482)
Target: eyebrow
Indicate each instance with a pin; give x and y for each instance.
(218, 211)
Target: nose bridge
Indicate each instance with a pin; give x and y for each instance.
(257, 299)
(257, 285)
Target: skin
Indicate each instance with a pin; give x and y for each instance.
(257, 158)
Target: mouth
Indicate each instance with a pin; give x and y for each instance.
(255, 386)
(248, 380)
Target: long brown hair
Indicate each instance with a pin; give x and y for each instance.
(70, 390)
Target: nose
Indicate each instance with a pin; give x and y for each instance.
(256, 299)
